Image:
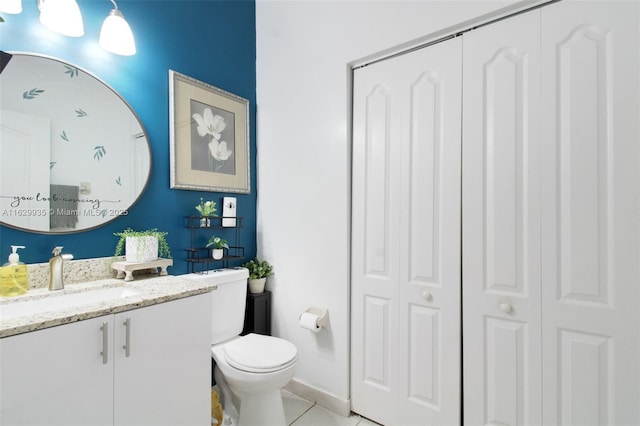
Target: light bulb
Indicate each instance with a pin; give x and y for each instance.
(116, 36)
(62, 16)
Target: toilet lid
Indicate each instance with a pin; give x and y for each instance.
(260, 354)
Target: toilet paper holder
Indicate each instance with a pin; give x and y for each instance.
(323, 319)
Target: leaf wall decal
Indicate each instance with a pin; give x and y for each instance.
(119, 181)
(64, 136)
(80, 113)
(72, 71)
(100, 152)
(51, 164)
(31, 94)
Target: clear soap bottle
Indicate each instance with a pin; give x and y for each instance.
(13, 275)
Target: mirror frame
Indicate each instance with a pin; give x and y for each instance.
(110, 218)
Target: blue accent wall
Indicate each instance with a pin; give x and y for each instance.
(212, 41)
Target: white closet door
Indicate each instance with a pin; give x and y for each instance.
(406, 238)
(591, 213)
(501, 225)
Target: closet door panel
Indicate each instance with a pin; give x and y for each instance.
(375, 240)
(425, 141)
(420, 264)
(584, 148)
(585, 376)
(378, 177)
(501, 206)
(505, 348)
(591, 186)
(406, 238)
(429, 286)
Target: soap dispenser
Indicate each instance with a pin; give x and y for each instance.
(13, 275)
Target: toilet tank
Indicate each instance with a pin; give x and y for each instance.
(228, 301)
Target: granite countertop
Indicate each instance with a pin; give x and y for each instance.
(149, 291)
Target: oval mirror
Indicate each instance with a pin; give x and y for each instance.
(73, 154)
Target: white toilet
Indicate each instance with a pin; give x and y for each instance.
(250, 370)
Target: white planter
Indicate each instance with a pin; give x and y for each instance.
(217, 253)
(141, 249)
(257, 285)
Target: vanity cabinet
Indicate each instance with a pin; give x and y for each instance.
(155, 371)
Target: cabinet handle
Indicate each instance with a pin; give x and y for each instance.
(105, 342)
(426, 295)
(127, 344)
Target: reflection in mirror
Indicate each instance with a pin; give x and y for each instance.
(73, 154)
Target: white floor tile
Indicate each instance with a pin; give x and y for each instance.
(299, 411)
(294, 406)
(366, 422)
(318, 416)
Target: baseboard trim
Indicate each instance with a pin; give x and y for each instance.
(322, 398)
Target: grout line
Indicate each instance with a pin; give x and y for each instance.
(300, 416)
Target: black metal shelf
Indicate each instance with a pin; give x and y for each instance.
(199, 258)
(215, 222)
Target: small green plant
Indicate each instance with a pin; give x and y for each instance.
(258, 268)
(163, 247)
(207, 208)
(217, 242)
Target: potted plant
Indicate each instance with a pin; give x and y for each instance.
(206, 209)
(218, 244)
(142, 246)
(259, 270)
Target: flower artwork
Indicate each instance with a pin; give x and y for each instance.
(209, 137)
(211, 127)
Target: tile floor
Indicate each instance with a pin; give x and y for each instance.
(300, 412)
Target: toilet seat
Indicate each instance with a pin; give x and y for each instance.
(256, 353)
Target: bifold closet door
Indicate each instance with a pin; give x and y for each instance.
(501, 223)
(405, 325)
(591, 213)
(551, 215)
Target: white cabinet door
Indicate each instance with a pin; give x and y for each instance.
(57, 376)
(406, 238)
(164, 376)
(591, 213)
(501, 223)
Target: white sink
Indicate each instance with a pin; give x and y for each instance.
(56, 302)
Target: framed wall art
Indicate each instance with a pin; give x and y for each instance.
(209, 137)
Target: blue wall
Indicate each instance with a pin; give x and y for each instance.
(209, 40)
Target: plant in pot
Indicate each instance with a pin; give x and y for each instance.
(206, 209)
(218, 244)
(259, 270)
(142, 246)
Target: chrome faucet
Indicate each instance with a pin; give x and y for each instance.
(55, 268)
